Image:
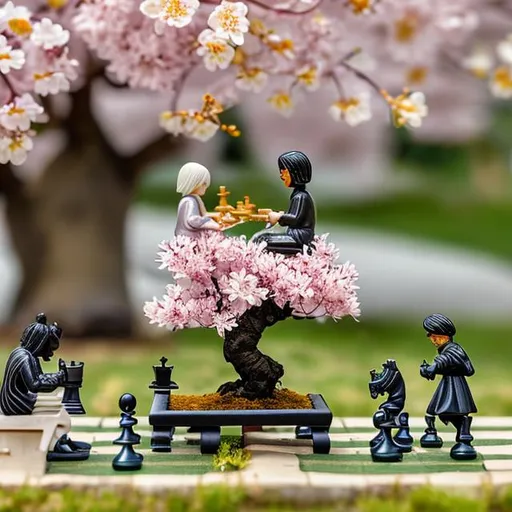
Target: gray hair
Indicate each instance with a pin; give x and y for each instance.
(191, 176)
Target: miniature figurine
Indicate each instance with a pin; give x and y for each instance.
(452, 401)
(390, 415)
(25, 386)
(193, 180)
(127, 459)
(295, 171)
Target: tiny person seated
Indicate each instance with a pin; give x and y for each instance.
(295, 171)
(25, 387)
(193, 180)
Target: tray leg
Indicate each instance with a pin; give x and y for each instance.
(321, 440)
(161, 439)
(210, 440)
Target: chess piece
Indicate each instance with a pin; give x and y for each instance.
(383, 447)
(127, 459)
(71, 399)
(452, 402)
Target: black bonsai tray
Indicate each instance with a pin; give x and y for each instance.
(311, 423)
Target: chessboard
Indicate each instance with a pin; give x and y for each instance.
(280, 461)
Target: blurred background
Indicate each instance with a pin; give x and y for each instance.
(424, 215)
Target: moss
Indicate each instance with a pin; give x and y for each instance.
(231, 456)
(282, 399)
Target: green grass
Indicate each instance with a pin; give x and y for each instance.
(223, 499)
(332, 359)
(463, 222)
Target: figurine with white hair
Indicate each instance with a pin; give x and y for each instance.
(193, 180)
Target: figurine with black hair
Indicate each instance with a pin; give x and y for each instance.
(26, 389)
(295, 171)
(452, 401)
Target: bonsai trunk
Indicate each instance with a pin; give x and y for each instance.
(258, 372)
(73, 256)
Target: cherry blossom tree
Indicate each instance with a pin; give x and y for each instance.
(239, 288)
(364, 52)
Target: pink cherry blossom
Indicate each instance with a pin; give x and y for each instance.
(217, 279)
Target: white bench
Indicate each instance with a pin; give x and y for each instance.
(25, 440)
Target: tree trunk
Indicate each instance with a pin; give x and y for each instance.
(259, 373)
(79, 208)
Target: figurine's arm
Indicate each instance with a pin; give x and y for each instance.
(42, 382)
(193, 219)
(295, 214)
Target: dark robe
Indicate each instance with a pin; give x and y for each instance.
(452, 396)
(300, 219)
(23, 379)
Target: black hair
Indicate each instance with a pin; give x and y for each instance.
(439, 324)
(36, 335)
(298, 165)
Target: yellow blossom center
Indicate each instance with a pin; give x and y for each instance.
(417, 75)
(360, 6)
(282, 46)
(281, 100)
(16, 144)
(5, 56)
(406, 28)
(15, 110)
(251, 73)
(348, 103)
(503, 78)
(228, 20)
(20, 26)
(257, 28)
(215, 47)
(239, 57)
(57, 4)
(309, 76)
(174, 9)
(42, 76)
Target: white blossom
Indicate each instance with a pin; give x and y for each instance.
(14, 149)
(50, 83)
(9, 58)
(229, 21)
(175, 13)
(252, 79)
(216, 52)
(49, 35)
(19, 114)
(354, 110)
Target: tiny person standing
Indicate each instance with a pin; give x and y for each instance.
(452, 400)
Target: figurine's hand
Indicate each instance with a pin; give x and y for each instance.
(63, 369)
(428, 372)
(273, 217)
(214, 226)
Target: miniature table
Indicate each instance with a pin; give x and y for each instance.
(208, 423)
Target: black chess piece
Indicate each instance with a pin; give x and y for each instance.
(383, 447)
(452, 400)
(127, 459)
(71, 399)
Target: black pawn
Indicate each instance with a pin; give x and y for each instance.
(127, 459)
